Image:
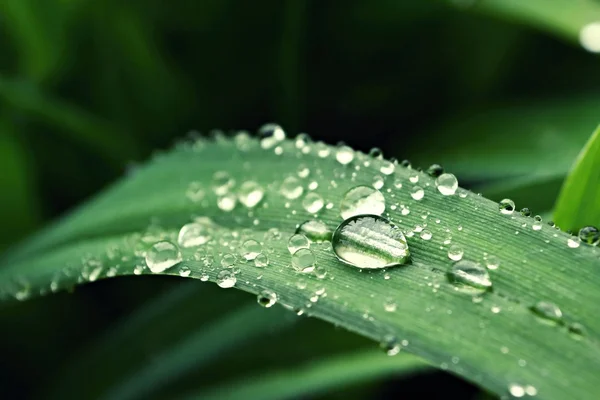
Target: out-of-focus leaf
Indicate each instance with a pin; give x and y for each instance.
(315, 378)
(579, 202)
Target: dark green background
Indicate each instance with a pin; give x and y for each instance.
(90, 88)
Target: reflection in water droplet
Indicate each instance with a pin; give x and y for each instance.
(447, 184)
(315, 231)
(589, 37)
(547, 312)
(470, 277)
(362, 200)
(304, 261)
(370, 241)
(589, 235)
(267, 298)
(162, 255)
(313, 203)
(226, 279)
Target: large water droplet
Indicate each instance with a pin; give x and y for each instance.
(370, 241)
(162, 256)
(250, 194)
(313, 203)
(250, 249)
(447, 184)
(548, 312)
(506, 206)
(226, 279)
(361, 200)
(194, 234)
(291, 188)
(589, 235)
(304, 261)
(315, 230)
(470, 277)
(267, 298)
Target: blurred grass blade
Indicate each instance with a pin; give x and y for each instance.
(315, 378)
(564, 18)
(579, 202)
(195, 351)
(71, 120)
(113, 234)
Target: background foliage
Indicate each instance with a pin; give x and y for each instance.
(500, 94)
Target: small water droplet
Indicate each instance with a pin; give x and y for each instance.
(378, 182)
(195, 192)
(589, 235)
(250, 249)
(303, 260)
(227, 202)
(344, 155)
(362, 200)
(204, 277)
(426, 234)
(228, 260)
(194, 234)
(447, 184)
(506, 206)
(315, 231)
(291, 188)
(516, 390)
(162, 256)
(222, 183)
(398, 183)
(226, 279)
(370, 241)
(390, 345)
(573, 242)
(261, 260)
(589, 37)
(389, 305)
(492, 262)
(525, 212)
(414, 178)
(576, 330)
(455, 252)
(271, 134)
(470, 277)
(296, 242)
(313, 203)
(548, 312)
(184, 271)
(417, 193)
(250, 194)
(387, 167)
(435, 170)
(267, 298)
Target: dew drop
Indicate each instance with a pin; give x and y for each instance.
(261, 260)
(228, 260)
(291, 188)
(516, 390)
(387, 167)
(303, 171)
(370, 241)
(417, 193)
(193, 234)
(426, 234)
(250, 249)
(226, 279)
(398, 183)
(162, 256)
(447, 184)
(204, 277)
(390, 305)
(297, 242)
(315, 231)
(222, 183)
(195, 192)
(525, 212)
(470, 277)
(271, 134)
(362, 200)
(303, 260)
(267, 298)
(589, 37)
(455, 252)
(184, 271)
(435, 170)
(537, 225)
(576, 330)
(390, 345)
(344, 155)
(589, 235)
(313, 203)
(573, 242)
(492, 262)
(250, 194)
(507, 206)
(414, 178)
(226, 202)
(547, 312)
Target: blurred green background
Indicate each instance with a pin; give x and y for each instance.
(505, 98)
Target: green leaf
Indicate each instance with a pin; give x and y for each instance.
(315, 378)
(494, 340)
(564, 18)
(579, 202)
